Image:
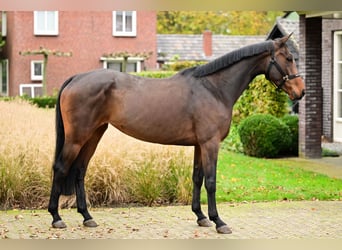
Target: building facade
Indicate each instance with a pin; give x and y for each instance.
(320, 111)
(76, 42)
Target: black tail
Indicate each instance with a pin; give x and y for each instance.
(68, 185)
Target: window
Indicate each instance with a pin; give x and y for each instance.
(4, 77)
(124, 23)
(46, 23)
(338, 75)
(337, 90)
(31, 89)
(133, 64)
(3, 23)
(37, 70)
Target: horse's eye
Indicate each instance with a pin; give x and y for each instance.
(289, 58)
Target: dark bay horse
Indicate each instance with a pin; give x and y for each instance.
(191, 108)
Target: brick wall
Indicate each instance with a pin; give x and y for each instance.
(310, 108)
(87, 34)
(329, 26)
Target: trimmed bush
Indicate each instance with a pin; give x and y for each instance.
(180, 65)
(263, 135)
(44, 101)
(292, 122)
(155, 74)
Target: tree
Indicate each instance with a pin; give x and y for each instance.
(125, 55)
(45, 52)
(219, 22)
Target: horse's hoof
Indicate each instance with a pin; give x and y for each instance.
(59, 224)
(224, 230)
(90, 223)
(204, 223)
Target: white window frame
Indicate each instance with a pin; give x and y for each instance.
(45, 31)
(125, 33)
(137, 60)
(34, 76)
(32, 86)
(3, 23)
(337, 75)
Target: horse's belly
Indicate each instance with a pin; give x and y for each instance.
(163, 128)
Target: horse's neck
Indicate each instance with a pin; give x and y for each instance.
(233, 80)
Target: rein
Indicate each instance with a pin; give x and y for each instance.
(285, 77)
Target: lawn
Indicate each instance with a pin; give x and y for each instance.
(242, 178)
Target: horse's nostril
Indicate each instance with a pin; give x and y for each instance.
(303, 92)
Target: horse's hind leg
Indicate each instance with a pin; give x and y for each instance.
(61, 170)
(81, 162)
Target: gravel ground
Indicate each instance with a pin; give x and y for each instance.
(272, 220)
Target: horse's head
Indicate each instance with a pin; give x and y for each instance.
(282, 70)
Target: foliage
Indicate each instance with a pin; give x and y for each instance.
(219, 22)
(292, 122)
(45, 53)
(232, 142)
(44, 101)
(180, 65)
(263, 135)
(261, 97)
(155, 74)
(329, 153)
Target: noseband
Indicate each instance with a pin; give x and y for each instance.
(285, 77)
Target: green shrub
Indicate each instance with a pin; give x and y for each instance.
(44, 101)
(292, 122)
(232, 142)
(155, 74)
(180, 65)
(263, 135)
(261, 97)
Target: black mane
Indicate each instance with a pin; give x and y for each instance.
(231, 58)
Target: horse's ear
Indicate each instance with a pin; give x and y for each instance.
(284, 39)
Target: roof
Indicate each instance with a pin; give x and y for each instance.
(190, 47)
(285, 25)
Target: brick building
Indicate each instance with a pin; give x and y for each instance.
(320, 112)
(89, 36)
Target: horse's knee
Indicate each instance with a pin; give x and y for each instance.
(210, 185)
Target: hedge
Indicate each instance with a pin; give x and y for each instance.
(264, 135)
(292, 122)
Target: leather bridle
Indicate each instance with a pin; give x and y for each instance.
(285, 77)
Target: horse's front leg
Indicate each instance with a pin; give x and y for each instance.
(209, 153)
(197, 178)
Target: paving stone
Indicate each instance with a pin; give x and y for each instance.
(272, 220)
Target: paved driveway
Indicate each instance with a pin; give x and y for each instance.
(274, 220)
